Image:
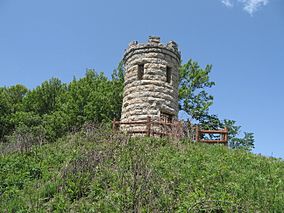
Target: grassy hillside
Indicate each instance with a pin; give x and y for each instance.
(94, 171)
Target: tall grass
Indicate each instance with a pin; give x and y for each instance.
(96, 171)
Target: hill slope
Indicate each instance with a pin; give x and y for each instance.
(95, 171)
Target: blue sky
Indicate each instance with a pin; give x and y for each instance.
(243, 39)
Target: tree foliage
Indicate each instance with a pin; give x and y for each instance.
(45, 98)
(58, 107)
(195, 100)
(246, 142)
(194, 81)
(11, 101)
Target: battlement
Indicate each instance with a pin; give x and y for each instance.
(153, 45)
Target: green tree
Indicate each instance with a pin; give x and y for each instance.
(56, 124)
(44, 98)
(29, 119)
(11, 101)
(193, 97)
(117, 92)
(246, 142)
(93, 98)
(16, 94)
(5, 111)
(196, 101)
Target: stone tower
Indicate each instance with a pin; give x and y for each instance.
(151, 81)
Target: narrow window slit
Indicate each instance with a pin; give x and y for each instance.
(140, 71)
(169, 74)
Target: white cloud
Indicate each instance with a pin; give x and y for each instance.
(227, 3)
(250, 6)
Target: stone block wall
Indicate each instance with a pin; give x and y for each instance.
(156, 92)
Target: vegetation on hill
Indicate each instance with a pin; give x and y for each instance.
(53, 109)
(94, 170)
(53, 158)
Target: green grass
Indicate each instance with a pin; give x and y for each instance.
(101, 172)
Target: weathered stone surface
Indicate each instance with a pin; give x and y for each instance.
(152, 94)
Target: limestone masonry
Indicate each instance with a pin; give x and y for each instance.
(151, 81)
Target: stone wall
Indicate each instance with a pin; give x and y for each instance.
(152, 95)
